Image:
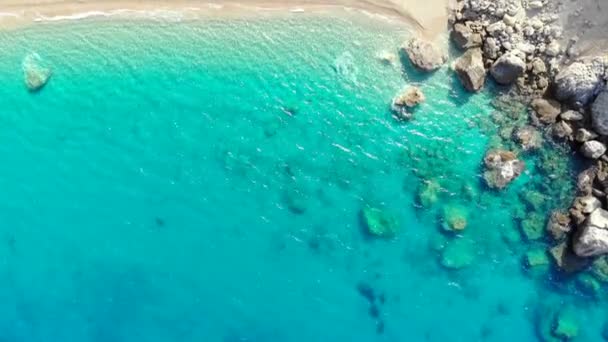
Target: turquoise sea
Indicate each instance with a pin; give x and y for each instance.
(204, 181)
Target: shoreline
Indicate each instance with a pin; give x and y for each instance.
(425, 20)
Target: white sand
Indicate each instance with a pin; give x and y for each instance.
(428, 17)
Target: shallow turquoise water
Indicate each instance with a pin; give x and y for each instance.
(203, 181)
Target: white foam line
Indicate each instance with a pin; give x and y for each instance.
(9, 14)
(162, 14)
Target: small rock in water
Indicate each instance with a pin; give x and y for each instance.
(387, 57)
(425, 55)
(502, 167)
(406, 101)
(458, 254)
(454, 218)
(379, 223)
(546, 110)
(35, 74)
(428, 194)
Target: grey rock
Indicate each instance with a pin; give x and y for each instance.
(583, 134)
(470, 70)
(571, 115)
(559, 225)
(592, 239)
(508, 67)
(561, 130)
(464, 37)
(587, 204)
(599, 113)
(403, 103)
(491, 48)
(585, 179)
(528, 137)
(593, 149)
(425, 55)
(546, 110)
(578, 83)
(566, 260)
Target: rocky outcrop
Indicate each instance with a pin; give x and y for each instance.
(546, 110)
(508, 67)
(502, 167)
(466, 35)
(35, 74)
(425, 55)
(578, 83)
(528, 137)
(599, 113)
(593, 149)
(379, 223)
(592, 238)
(407, 100)
(470, 70)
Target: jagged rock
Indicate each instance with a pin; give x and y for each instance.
(593, 149)
(491, 49)
(587, 204)
(585, 180)
(35, 74)
(470, 70)
(577, 216)
(425, 55)
(592, 238)
(546, 110)
(528, 137)
(583, 134)
(566, 260)
(553, 49)
(561, 130)
(379, 223)
(599, 113)
(571, 115)
(508, 67)
(559, 225)
(407, 100)
(578, 83)
(537, 66)
(464, 37)
(502, 167)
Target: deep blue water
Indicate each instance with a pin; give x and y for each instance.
(203, 181)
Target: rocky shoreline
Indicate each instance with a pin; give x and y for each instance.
(517, 44)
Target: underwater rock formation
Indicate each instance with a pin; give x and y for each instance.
(528, 137)
(459, 253)
(454, 218)
(470, 70)
(35, 74)
(502, 167)
(379, 223)
(428, 193)
(425, 55)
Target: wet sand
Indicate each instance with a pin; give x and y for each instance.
(428, 18)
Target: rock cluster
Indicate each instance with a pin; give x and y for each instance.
(501, 168)
(404, 103)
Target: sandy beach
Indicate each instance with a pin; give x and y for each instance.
(429, 18)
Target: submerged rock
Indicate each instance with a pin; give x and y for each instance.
(502, 167)
(565, 326)
(592, 238)
(559, 225)
(599, 113)
(454, 218)
(508, 67)
(533, 226)
(599, 269)
(470, 70)
(566, 260)
(536, 257)
(459, 253)
(588, 284)
(428, 194)
(528, 137)
(379, 223)
(35, 74)
(425, 55)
